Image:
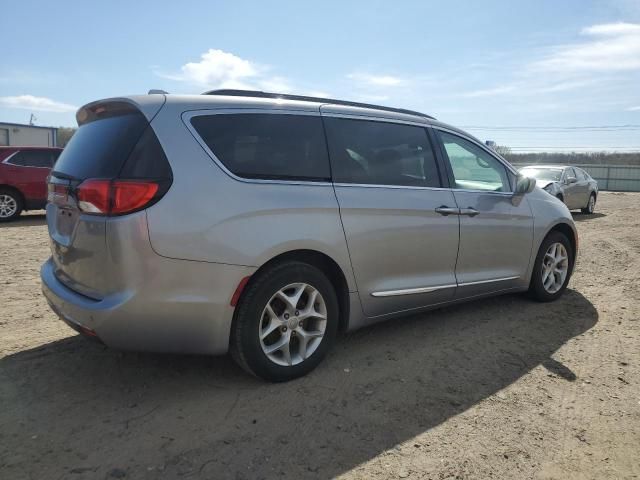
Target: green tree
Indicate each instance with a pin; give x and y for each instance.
(502, 150)
(64, 135)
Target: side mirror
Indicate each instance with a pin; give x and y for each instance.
(524, 185)
(571, 180)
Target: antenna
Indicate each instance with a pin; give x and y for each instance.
(32, 119)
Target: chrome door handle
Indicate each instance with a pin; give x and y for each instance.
(469, 212)
(444, 210)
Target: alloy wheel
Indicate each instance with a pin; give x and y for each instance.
(293, 324)
(8, 206)
(555, 267)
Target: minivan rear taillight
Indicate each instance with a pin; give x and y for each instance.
(115, 197)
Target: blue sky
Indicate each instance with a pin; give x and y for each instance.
(520, 66)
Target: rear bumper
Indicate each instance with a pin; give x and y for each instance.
(182, 308)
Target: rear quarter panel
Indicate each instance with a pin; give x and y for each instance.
(208, 216)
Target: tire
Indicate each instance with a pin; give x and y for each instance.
(10, 204)
(591, 205)
(252, 320)
(537, 289)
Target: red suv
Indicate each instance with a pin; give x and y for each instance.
(23, 178)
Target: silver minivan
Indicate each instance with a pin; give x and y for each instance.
(265, 224)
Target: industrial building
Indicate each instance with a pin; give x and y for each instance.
(27, 135)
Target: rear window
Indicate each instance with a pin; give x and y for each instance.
(267, 146)
(35, 158)
(99, 148)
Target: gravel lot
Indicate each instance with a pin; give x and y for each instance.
(501, 388)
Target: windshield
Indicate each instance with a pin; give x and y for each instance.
(551, 174)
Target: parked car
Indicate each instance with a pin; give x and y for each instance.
(572, 185)
(23, 179)
(266, 224)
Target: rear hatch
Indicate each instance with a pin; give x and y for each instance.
(113, 166)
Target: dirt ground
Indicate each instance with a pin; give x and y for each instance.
(501, 388)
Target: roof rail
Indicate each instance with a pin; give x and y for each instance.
(259, 94)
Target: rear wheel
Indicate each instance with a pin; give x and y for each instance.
(591, 206)
(10, 205)
(285, 323)
(552, 268)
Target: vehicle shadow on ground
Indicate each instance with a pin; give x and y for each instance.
(75, 406)
(580, 217)
(26, 221)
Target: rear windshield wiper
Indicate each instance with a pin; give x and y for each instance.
(63, 176)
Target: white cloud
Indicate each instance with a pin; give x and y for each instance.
(220, 69)
(609, 47)
(217, 69)
(634, 109)
(489, 92)
(369, 80)
(39, 104)
(611, 29)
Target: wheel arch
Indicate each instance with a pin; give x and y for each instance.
(4, 186)
(326, 265)
(568, 231)
(21, 198)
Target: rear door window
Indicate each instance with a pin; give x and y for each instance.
(34, 158)
(380, 153)
(267, 146)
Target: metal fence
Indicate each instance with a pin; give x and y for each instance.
(621, 178)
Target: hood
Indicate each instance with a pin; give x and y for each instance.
(543, 183)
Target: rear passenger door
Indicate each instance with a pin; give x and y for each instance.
(582, 188)
(496, 233)
(388, 187)
(29, 172)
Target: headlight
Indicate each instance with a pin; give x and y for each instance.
(549, 188)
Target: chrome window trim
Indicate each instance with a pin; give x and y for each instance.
(189, 114)
(6, 161)
(371, 118)
(412, 291)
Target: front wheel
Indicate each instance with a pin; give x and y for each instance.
(285, 323)
(591, 206)
(552, 268)
(10, 205)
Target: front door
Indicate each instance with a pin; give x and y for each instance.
(388, 187)
(496, 232)
(570, 189)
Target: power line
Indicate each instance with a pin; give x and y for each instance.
(582, 146)
(627, 127)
